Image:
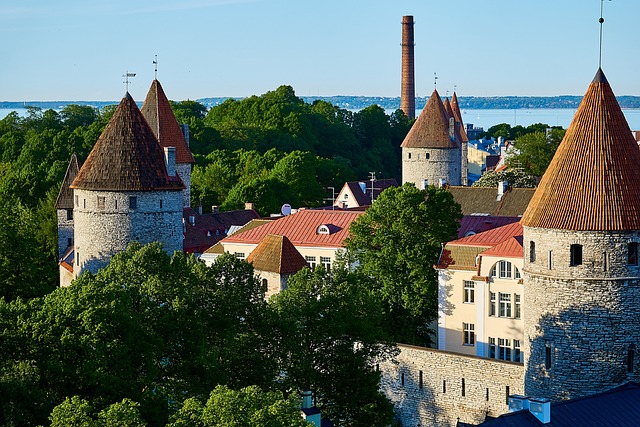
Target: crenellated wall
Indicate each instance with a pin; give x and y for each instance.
(453, 386)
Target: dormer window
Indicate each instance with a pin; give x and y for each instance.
(323, 229)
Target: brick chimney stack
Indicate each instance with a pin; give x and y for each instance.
(408, 95)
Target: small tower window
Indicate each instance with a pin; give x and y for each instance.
(547, 356)
(576, 255)
(631, 354)
(77, 202)
(265, 284)
(550, 260)
(160, 203)
(69, 214)
(426, 156)
(532, 251)
(101, 202)
(133, 202)
(633, 253)
(116, 203)
(409, 156)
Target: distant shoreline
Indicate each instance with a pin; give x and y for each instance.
(387, 103)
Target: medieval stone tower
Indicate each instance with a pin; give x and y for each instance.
(464, 139)
(431, 152)
(157, 111)
(64, 207)
(127, 190)
(581, 306)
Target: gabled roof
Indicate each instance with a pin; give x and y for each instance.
(483, 200)
(126, 157)
(157, 110)
(478, 223)
(210, 228)
(65, 196)
(593, 181)
(301, 228)
(363, 198)
(458, 116)
(431, 129)
(461, 254)
(618, 407)
(276, 254)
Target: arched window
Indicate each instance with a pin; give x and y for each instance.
(323, 229)
(502, 270)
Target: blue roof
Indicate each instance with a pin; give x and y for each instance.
(617, 407)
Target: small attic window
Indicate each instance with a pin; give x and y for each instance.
(323, 229)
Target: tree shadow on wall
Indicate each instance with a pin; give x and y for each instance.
(582, 350)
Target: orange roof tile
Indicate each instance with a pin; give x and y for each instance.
(276, 254)
(447, 109)
(511, 248)
(491, 237)
(126, 157)
(65, 196)
(593, 181)
(157, 110)
(431, 129)
(301, 228)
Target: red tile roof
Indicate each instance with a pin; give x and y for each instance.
(492, 237)
(480, 223)
(126, 157)
(431, 129)
(511, 248)
(208, 229)
(456, 113)
(301, 228)
(65, 196)
(276, 254)
(593, 181)
(157, 110)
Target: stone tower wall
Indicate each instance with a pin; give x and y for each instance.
(580, 321)
(65, 231)
(442, 163)
(101, 232)
(465, 163)
(440, 399)
(184, 171)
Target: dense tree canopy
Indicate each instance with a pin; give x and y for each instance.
(397, 242)
(533, 152)
(515, 178)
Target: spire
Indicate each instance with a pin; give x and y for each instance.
(447, 108)
(126, 157)
(157, 111)
(65, 196)
(458, 115)
(593, 181)
(431, 129)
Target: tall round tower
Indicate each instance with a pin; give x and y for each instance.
(581, 305)
(127, 190)
(408, 90)
(157, 111)
(430, 153)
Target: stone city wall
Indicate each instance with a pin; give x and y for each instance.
(436, 388)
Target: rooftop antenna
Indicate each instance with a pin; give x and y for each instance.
(155, 68)
(126, 78)
(601, 21)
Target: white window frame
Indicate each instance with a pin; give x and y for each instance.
(492, 348)
(517, 352)
(504, 305)
(468, 296)
(492, 304)
(326, 263)
(468, 334)
(517, 311)
(504, 349)
(239, 255)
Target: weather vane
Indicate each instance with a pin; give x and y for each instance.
(155, 68)
(126, 78)
(454, 88)
(601, 21)
(435, 80)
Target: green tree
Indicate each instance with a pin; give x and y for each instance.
(397, 242)
(329, 339)
(533, 152)
(77, 412)
(515, 178)
(247, 407)
(297, 170)
(268, 195)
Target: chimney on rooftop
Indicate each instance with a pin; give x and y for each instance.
(539, 407)
(408, 92)
(214, 209)
(249, 206)
(170, 160)
(502, 188)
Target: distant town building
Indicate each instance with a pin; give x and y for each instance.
(356, 194)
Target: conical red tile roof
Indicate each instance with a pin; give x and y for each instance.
(458, 116)
(593, 181)
(65, 196)
(126, 157)
(447, 109)
(431, 129)
(163, 123)
(276, 254)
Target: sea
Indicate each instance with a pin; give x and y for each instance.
(487, 118)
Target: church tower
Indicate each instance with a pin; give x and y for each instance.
(157, 111)
(581, 304)
(127, 190)
(430, 152)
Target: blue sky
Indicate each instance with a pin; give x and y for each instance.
(79, 49)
